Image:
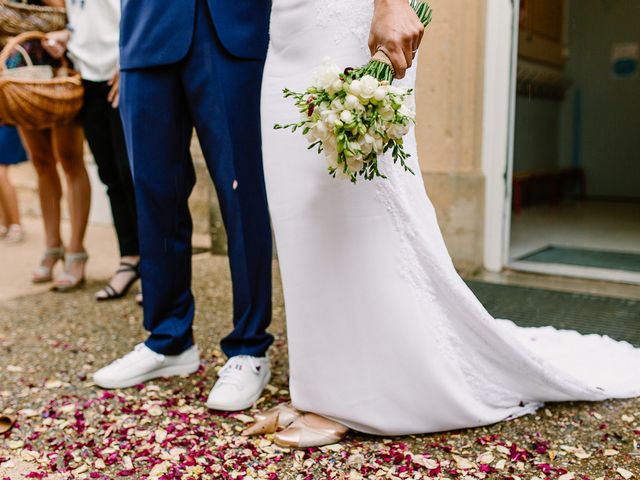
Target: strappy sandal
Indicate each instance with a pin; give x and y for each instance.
(44, 274)
(111, 292)
(68, 282)
(14, 235)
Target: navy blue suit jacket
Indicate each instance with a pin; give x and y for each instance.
(159, 32)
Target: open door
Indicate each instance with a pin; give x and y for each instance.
(575, 203)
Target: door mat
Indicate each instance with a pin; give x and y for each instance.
(586, 258)
(534, 307)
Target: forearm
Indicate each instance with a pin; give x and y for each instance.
(54, 3)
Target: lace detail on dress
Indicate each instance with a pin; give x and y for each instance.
(399, 195)
(354, 15)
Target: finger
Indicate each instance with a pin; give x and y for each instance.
(116, 101)
(407, 50)
(372, 44)
(398, 61)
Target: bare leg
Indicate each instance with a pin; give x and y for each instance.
(38, 144)
(122, 279)
(68, 143)
(8, 198)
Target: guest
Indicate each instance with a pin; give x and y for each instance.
(91, 42)
(11, 153)
(47, 148)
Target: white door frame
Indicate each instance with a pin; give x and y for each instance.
(501, 54)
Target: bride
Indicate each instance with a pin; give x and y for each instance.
(384, 336)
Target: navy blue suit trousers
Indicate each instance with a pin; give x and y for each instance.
(218, 93)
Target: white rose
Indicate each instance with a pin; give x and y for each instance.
(355, 88)
(397, 131)
(381, 93)
(337, 105)
(346, 116)
(387, 113)
(326, 75)
(320, 131)
(352, 102)
(330, 118)
(335, 87)
(369, 85)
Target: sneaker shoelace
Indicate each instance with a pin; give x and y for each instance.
(233, 372)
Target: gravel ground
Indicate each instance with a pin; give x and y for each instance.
(67, 428)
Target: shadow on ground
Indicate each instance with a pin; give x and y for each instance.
(67, 428)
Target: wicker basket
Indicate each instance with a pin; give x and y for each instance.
(17, 17)
(38, 103)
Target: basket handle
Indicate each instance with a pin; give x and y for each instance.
(14, 42)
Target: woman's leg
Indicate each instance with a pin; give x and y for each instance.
(8, 198)
(103, 130)
(38, 144)
(9, 206)
(68, 143)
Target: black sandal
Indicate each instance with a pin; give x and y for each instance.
(112, 293)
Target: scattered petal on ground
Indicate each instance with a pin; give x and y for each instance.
(68, 429)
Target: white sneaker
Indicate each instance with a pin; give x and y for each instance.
(143, 364)
(240, 383)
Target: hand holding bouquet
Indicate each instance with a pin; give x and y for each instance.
(356, 115)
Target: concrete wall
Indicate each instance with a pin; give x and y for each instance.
(449, 127)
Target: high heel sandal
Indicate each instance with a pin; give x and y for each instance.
(279, 417)
(44, 274)
(68, 282)
(111, 292)
(311, 430)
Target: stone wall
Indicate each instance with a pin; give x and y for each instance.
(449, 98)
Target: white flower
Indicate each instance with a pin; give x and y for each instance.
(387, 113)
(366, 144)
(335, 87)
(378, 145)
(397, 131)
(330, 118)
(355, 164)
(355, 88)
(337, 105)
(320, 131)
(369, 85)
(326, 75)
(381, 93)
(346, 116)
(352, 102)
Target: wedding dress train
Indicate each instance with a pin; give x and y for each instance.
(384, 336)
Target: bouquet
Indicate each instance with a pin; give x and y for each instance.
(355, 115)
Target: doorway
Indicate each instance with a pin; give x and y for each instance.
(575, 203)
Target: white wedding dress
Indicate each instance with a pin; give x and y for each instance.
(384, 336)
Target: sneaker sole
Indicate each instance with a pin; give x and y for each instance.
(241, 406)
(173, 371)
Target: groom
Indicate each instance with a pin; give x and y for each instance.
(197, 63)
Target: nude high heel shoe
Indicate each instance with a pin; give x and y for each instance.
(44, 274)
(279, 417)
(311, 430)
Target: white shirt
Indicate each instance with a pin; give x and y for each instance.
(93, 47)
